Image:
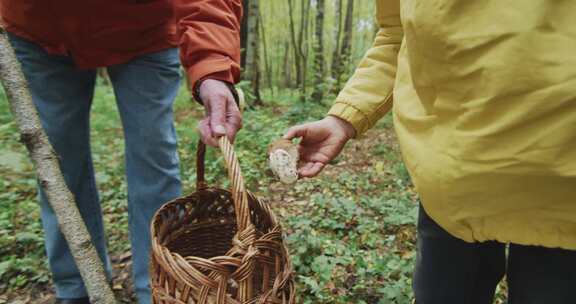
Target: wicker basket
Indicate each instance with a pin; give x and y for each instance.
(219, 247)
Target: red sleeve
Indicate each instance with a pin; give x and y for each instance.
(209, 32)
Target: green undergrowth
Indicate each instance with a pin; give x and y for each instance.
(348, 251)
(350, 231)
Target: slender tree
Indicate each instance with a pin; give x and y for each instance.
(103, 74)
(287, 66)
(303, 45)
(345, 48)
(337, 35)
(252, 71)
(267, 66)
(319, 53)
(50, 176)
(295, 44)
(244, 33)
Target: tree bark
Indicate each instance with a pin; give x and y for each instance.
(319, 53)
(345, 51)
(252, 71)
(303, 46)
(267, 66)
(244, 33)
(337, 34)
(286, 75)
(50, 176)
(295, 44)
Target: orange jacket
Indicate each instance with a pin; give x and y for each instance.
(106, 32)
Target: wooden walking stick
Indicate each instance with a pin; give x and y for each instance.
(50, 176)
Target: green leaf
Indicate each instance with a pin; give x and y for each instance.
(27, 237)
(5, 267)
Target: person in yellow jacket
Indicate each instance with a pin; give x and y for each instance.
(484, 101)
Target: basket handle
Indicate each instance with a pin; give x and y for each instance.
(238, 189)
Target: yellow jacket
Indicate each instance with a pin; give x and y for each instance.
(484, 102)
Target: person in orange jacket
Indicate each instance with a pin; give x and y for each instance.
(61, 43)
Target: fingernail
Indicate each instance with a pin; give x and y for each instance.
(220, 129)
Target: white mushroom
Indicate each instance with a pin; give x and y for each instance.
(283, 158)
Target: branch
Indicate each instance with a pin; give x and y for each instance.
(50, 176)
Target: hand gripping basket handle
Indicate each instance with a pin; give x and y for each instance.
(238, 190)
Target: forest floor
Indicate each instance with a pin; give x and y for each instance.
(350, 231)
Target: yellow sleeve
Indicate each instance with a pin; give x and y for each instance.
(367, 96)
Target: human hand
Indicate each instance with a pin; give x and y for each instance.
(222, 117)
(321, 142)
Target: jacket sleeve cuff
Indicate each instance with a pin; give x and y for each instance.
(219, 69)
(351, 114)
(360, 120)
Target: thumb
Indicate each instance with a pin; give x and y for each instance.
(297, 131)
(218, 117)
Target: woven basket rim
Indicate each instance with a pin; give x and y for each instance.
(257, 253)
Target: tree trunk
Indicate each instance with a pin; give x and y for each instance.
(50, 176)
(337, 34)
(345, 51)
(295, 44)
(244, 33)
(103, 74)
(319, 53)
(303, 46)
(267, 66)
(252, 71)
(287, 67)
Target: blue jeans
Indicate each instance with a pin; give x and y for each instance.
(145, 88)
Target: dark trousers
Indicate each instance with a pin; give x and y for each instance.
(451, 271)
